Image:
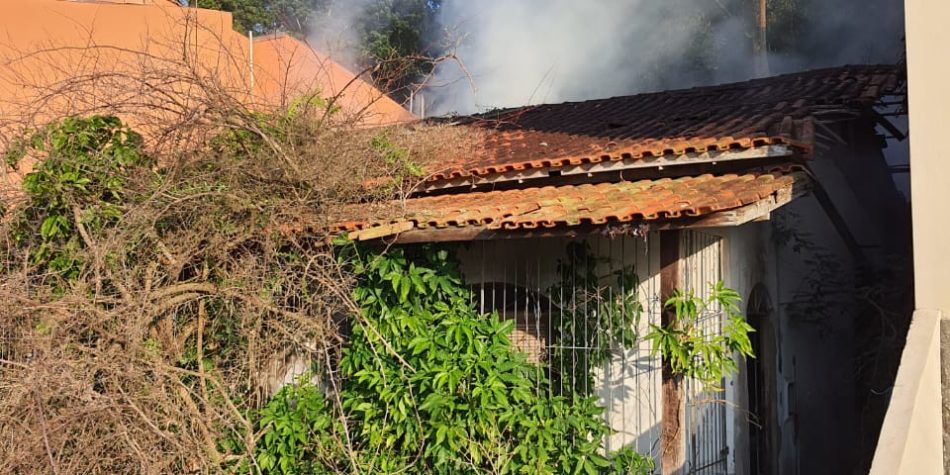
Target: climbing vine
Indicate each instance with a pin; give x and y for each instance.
(432, 386)
(597, 315)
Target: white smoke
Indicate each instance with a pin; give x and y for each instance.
(531, 51)
(520, 52)
(335, 32)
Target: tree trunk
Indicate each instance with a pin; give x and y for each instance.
(672, 430)
(673, 434)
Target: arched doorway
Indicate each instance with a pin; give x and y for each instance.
(761, 377)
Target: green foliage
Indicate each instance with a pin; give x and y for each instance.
(691, 349)
(176, 288)
(79, 182)
(268, 16)
(396, 158)
(598, 314)
(394, 36)
(431, 386)
(397, 40)
(299, 432)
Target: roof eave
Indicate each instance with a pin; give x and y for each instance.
(406, 232)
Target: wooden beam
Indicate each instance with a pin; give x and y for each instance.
(768, 151)
(479, 233)
(754, 211)
(838, 221)
(672, 430)
(889, 126)
(377, 232)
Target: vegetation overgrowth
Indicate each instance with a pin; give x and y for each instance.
(161, 290)
(156, 304)
(154, 295)
(426, 384)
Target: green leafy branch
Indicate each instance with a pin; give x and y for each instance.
(695, 349)
(77, 187)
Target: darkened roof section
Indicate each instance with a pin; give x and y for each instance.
(760, 112)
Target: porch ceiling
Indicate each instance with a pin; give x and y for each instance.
(704, 200)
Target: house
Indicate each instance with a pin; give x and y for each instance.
(138, 58)
(577, 220)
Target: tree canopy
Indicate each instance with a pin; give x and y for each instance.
(393, 38)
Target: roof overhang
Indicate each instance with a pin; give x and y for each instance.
(615, 208)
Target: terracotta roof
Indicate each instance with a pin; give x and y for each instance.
(603, 203)
(775, 110)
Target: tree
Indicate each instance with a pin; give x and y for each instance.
(397, 42)
(269, 16)
(394, 38)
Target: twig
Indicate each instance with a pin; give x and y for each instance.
(49, 451)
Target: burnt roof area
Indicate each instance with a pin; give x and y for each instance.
(775, 110)
(661, 156)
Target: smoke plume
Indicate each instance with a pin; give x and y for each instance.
(534, 51)
(335, 32)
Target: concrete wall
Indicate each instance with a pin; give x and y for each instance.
(910, 440)
(928, 70)
(814, 419)
(814, 282)
(929, 98)
(817, 419)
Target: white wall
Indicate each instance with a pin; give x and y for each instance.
(911, 436)
(911, 440)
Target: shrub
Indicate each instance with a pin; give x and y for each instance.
(431, 386)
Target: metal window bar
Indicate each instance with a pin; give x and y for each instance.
(706, 411)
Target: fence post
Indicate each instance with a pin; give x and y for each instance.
(672, 430)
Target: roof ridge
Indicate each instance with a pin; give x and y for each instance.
(693, 89)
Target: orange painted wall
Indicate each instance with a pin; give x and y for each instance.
(47, 44)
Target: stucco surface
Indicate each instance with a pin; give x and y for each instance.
(929, 100)
(63, 57)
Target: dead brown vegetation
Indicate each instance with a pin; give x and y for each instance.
(189, 307)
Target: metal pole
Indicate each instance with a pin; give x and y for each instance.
(250, 43)
(760, 45)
